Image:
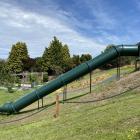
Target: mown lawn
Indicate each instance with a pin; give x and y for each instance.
(114, 119)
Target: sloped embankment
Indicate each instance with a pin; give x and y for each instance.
(127, 83)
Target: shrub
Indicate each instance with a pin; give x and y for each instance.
(45, 77)
(33, 79)
(9, 82)
(18, 81)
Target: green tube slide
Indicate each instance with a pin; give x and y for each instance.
(66, 78)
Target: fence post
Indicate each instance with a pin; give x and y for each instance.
(57, 106)
(64, 93)
(90, 81)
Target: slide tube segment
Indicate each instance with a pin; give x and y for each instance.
(66, 78)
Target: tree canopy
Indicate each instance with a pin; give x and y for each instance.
(85, 57)
(56, 57)
(55, 60)
(17, 57)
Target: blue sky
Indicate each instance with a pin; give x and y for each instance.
(87, 26)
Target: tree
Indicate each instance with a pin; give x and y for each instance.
(38, 64)
(2, 64)
(76, 60)
(2, 71)
(66, 62)
(85, 57)
(113, 63)
(17, 57)
(56, 57)
(46, 60)
(6, 79)
(29, 64)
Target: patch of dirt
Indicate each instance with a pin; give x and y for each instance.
(126, 83)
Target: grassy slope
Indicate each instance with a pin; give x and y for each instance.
(117, 118)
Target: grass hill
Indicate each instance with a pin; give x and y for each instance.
(116, 118)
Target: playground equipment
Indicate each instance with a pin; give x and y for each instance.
(64, 79)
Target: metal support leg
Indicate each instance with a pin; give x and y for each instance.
(136, 65)
(38, 104)
(90, 81)
(65, 93)
(118, 68)
(42, 102)
(137, 59)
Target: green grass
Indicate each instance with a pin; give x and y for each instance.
(5, 96)
(114, 119)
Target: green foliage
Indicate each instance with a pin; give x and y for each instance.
(66, 63)
(85, 57)
(9, 81)
(6, 78)
(2, 72)
(56, 57)
(113, 119)
(46, 60)
(29, 64)
(45, 77)
(33, 79)
(18, 56)
(33, 64)
(18, 81)
(38, 64)
(76, 60)
(2, 64)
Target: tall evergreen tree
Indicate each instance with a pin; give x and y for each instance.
(66, 62)
(46, 60)
(56, 57)
(17, 57)
(55, 52)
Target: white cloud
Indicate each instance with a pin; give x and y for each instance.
(37, 30)
(104, 16)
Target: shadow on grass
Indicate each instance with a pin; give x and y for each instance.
(75, 97)
(41, 108)
(51, 104)
(66, 101)
(27, 116)
(34, 113)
